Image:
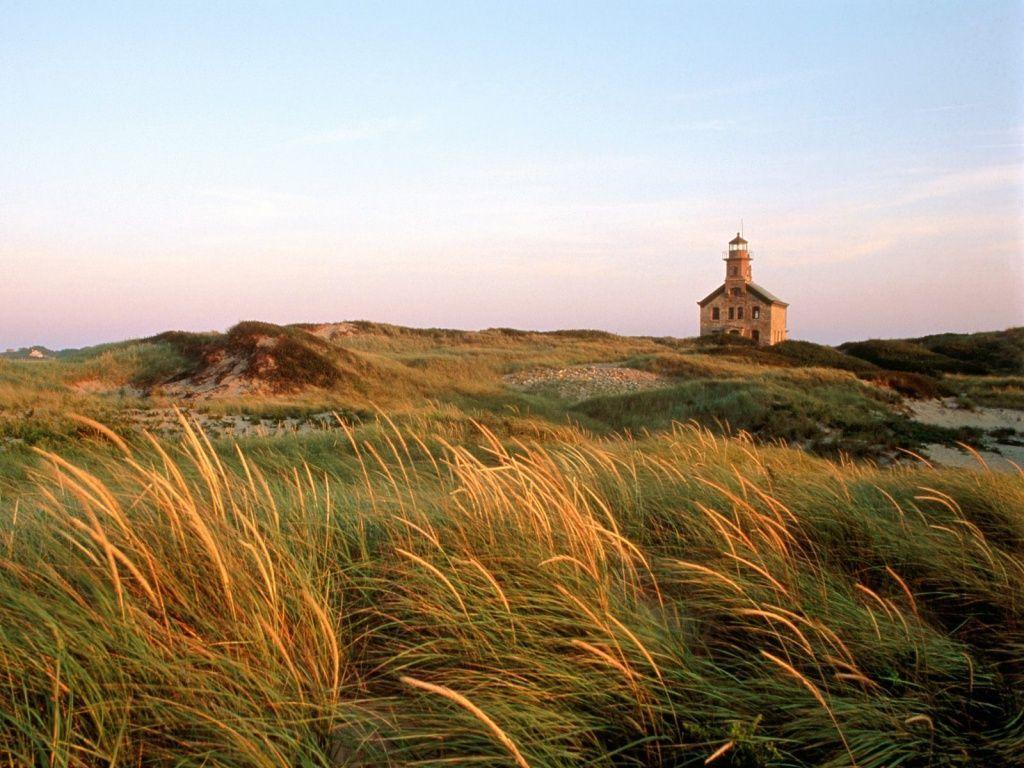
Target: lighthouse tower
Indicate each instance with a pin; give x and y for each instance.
(737, 263)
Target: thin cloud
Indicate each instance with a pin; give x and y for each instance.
(943, 108)
(255, 205)
(724, 124)
(716, 124)
(961, 183)
(752, 85)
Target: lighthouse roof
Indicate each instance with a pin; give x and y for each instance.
(738, 240)
(761, 293)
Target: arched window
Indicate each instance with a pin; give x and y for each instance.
(739, 313)
(731, 313)
(715, 314)
(732, 271)
(756, 313)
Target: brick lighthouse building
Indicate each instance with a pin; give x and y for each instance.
(740, 306)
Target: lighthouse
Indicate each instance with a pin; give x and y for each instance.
(739, 306)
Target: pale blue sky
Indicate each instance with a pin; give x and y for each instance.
(536, 165)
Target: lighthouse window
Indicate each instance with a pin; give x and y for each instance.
(756, 313)
(735, 291)
(732, 271)
(739, 313)
(715, 314)
(731, 313)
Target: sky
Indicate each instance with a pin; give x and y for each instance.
(532, 165)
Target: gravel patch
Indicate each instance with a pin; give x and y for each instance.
(582, 382)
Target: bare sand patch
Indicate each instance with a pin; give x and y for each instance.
(225, 376)
(1003, 448)
(1009, 459)
(944, 413)
(333, 331)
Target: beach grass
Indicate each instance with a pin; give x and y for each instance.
(441, 593)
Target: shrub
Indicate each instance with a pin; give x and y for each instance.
(985, 353)
(898, 355)
(977, 353)
(808, 353)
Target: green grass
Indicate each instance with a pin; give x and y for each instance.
(37, 397)
(446, 594)
(992, 391)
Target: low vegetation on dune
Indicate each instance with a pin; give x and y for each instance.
(360, 544)
(989, 353)
(994, 391)
(819, 410)
(445, 594)
(295, 371)
(259, 377)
